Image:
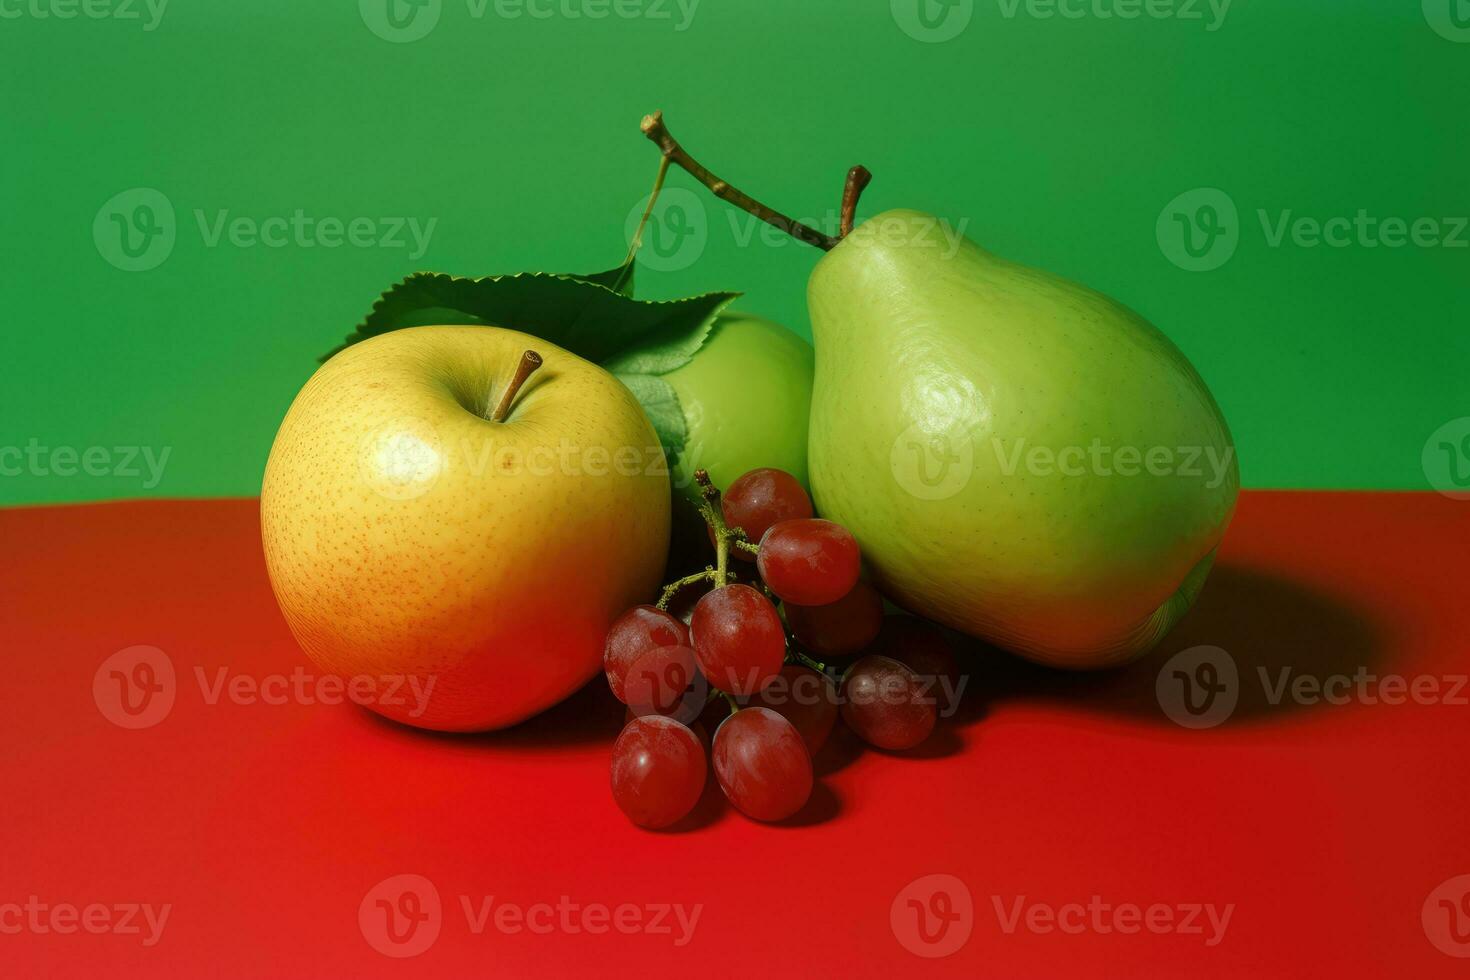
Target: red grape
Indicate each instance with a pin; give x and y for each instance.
(761, 498)
(699, 729)
(840, 628)
(658, 771)
(635, 633)
(665, 681)
(805, 698)
(810, 562)
(738, 639)
(922, 647)
(887, 704)
(762, 764)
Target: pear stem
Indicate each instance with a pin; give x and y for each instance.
(858, 179)
(653, 127)
(530, 361)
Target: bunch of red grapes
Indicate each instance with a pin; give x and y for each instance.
(770, 682)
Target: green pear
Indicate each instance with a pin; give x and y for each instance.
(1021, 458)
(746, 397)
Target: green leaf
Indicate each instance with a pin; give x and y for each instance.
(660, 353)
(661, 405)
(594, 316)
(619, 280)
(588, 319)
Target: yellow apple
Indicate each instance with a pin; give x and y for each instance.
(412, 537)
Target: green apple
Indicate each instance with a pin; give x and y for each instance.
(746, 397)
(427, 517)
(1021, 458)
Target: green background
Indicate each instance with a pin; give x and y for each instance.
(1059, 140)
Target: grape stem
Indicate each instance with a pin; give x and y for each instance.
(806, 661)
(678, 585)
(714, 516)
(726, 537)
(857, 179)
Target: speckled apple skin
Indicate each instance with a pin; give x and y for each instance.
(936, 360)
(407, 535)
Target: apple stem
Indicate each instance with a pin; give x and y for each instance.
(858, 179)
(530, 361)
(653, 127)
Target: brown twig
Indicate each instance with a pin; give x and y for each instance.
(654, 128)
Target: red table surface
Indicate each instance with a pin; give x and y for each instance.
(1330, 832)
